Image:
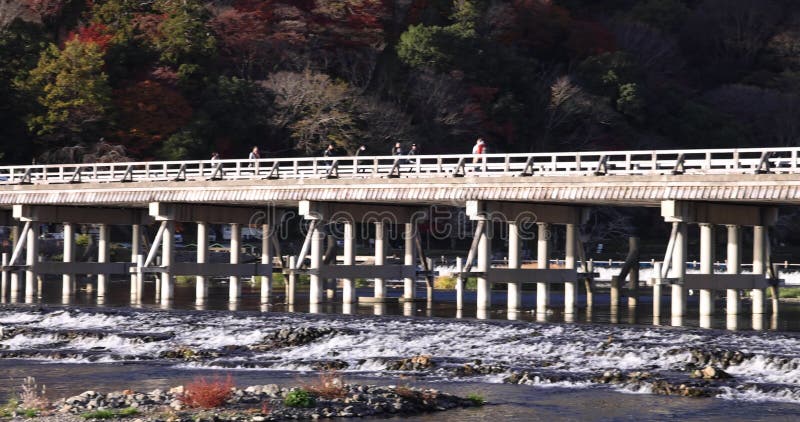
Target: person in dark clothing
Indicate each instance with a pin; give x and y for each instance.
(412, 151)
(397, 149)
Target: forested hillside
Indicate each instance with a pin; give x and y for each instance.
(98, 80)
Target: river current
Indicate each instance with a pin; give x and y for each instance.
(80, 345)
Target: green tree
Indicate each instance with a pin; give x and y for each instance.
(72, 92)
(666, 15)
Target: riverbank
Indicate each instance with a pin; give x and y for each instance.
(216, 399)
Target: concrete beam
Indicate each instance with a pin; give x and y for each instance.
(392, 272)
(724, 281)
(55, 267)
(80, 215)
(361, 213)
(522, 275)
(716, 213)
(221, 269)
(214, 214)
(524, 212)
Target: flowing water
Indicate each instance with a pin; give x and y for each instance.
(81, 345)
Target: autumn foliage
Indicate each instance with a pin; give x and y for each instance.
(207, 394)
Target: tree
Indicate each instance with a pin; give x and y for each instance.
(72, 91)
(149, 113)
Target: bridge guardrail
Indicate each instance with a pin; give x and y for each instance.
(595, 163)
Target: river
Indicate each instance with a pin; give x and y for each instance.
(80, 345)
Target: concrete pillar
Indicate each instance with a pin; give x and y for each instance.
(514, 248)
(657, 291)
(349, 258)
(409, 283)
(759, 265)
(167, 290)
(31, 260)
(459, 284)
(291, 284)
(543, 255)
(570, 287)
(136, 234)
(706, 267)
(380, 258)
(734, 266)
(201, 285)
(484, 284)
(68, 279)
(139, 278)
(4, 280)
(266, 259)
(678, 270)
(589, 288)
(633, 277)
(234, 286)
(315, 288)
(103, 249)
(14, 286)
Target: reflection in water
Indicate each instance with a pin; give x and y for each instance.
(442, 306)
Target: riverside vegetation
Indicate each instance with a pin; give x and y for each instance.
(220, 400)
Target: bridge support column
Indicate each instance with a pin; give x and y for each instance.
(678, 270)
(291, 284)
(543, 262)
(657, 291)
(409, 283)
(266, 259)
(515, 288)
(102, 257)
(484, 284)
(315, 287)
(136, 253)
(732, 305)
(706, 267)
(380, 259)
(68, 279)
(234, 286)
(759, 264)
(201, 285)
(348, 284)
(167, 290)
(570, 287)
(4, 280)
(459, 284)
(31, 260)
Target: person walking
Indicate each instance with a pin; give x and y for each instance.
(478, 150)
(397, 149)
(214, 156)
(254, 154)
(412, 152)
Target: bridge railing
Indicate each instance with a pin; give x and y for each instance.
(599, 163)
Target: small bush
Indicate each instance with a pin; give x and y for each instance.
(299, 398)
(99, 414)
(444, 282)
(789, 292)
(184, 279)
(31, 397)
(207, 394)
(476, 399)
(30, 413)
(329, 386)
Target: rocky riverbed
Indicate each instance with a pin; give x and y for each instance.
(254, 403)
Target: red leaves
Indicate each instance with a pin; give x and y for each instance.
(96, 33)
(207, 394)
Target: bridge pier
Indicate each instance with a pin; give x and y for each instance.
(266, 260)
(543, 262)
(570, 286)
(484, 284)
(349, 296)
(733, 266)
(380, 259)
(315, 289)
(706, 267)
(759, 263)
(678, 271)
(201, 284)
(68, 279)
(136, 280)
(103, 251)
(31, 261)
(4, 279)
(234, 286)
(167, 292)
(409, 259)
(514, 249)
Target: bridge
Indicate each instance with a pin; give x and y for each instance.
(732, 187)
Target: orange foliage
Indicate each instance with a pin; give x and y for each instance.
(329, 386)
(96, 33)
(207, 394)
(149, 113)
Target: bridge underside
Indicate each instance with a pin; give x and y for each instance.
(649, 191)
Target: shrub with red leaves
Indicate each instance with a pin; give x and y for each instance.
(207, 394)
